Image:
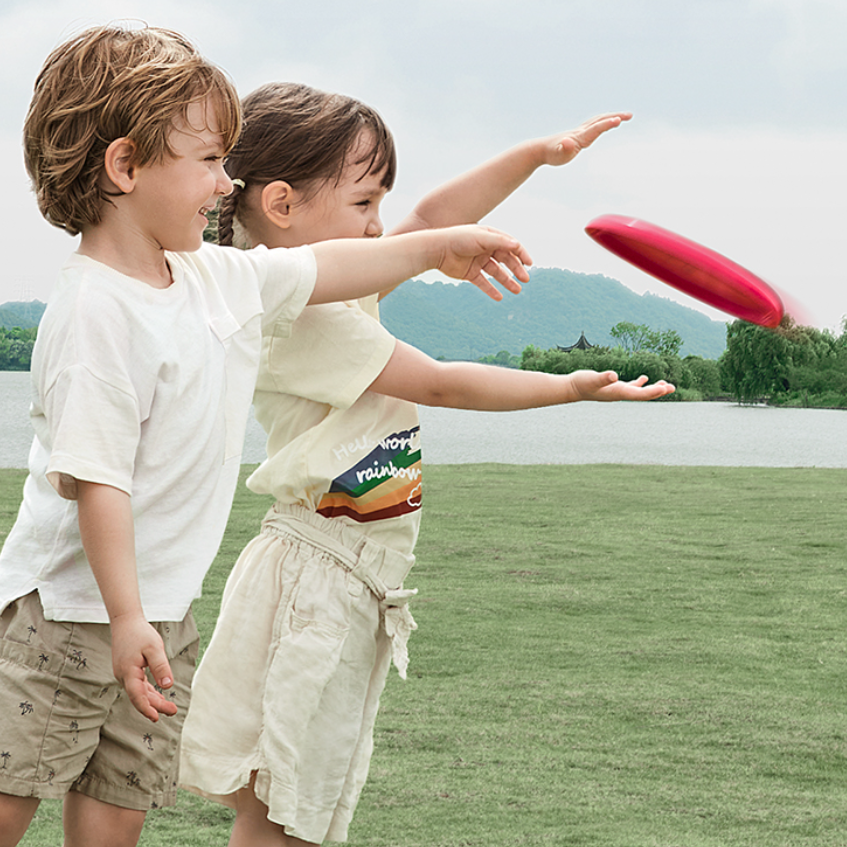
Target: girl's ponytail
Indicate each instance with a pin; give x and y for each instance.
(226, 213)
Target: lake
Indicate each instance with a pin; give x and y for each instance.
(582, 433)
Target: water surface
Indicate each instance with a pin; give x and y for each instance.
(581, 433)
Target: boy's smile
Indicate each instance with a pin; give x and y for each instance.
(170, 199)
(161, 205)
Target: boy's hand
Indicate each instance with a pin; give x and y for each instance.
(561, 149)
(467, 251)
(135, 646)
(606, 387)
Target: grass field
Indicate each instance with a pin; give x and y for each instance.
(607, 655)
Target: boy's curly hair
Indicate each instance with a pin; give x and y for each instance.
(107, 83)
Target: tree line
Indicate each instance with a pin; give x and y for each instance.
(639, 350)
(16, 348)
(791, 365)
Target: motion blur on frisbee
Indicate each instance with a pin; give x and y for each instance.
(690, 267)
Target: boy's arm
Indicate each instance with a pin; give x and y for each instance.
(414, 376)
(108, 537)
(472, 195)
(351, 268)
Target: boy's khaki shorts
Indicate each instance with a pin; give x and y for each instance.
(67, 725)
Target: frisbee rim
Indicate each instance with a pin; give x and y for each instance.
(690, 267)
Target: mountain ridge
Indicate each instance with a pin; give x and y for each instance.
(458, 322)
(25, 314)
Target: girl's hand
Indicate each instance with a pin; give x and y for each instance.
(135, 646)
(467, 251)
(606, 387)
(561, 149)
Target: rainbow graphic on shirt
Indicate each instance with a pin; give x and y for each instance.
(384, 484)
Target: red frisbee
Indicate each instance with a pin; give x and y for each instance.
(689, 267)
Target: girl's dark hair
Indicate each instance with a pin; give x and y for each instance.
(303, 136)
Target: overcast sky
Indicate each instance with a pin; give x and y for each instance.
(739, 138)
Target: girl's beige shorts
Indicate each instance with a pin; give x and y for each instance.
(289, 687)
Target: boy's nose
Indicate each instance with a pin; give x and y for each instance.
(374, 228)
(224, 182)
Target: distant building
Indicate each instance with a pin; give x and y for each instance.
(582, 344)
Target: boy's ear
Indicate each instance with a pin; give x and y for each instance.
(118, 164)
(277, 201)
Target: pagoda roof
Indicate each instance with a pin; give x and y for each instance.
(582, 344)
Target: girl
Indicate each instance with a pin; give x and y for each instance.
(285, 699)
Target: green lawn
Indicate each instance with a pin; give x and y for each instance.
(607, 655)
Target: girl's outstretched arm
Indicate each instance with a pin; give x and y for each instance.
(471, 196)
(414, 376)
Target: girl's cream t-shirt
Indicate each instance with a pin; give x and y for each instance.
(335, 447)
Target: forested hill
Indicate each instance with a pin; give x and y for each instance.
(459, 322)
(24, 315)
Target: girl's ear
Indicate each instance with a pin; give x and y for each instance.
(118, 164)
(277, 203)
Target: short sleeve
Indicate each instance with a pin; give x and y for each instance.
(331, 355)
(93, 432)
(287, 286)
(241, 284)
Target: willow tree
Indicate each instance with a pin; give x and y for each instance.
(760, 362)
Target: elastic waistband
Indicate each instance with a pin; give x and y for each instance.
(379, 567)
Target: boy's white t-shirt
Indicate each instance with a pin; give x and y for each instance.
(146, 390)
(333, 446)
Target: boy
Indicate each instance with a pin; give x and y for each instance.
(142, 378)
